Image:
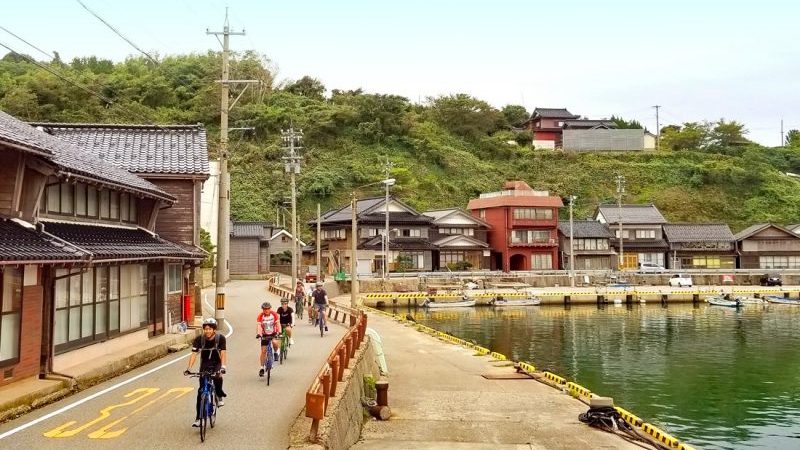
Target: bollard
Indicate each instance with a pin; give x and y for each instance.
(567, 299)
(664, 298)
(695, 298)
(629, 298)
(383, 392)
(601, 299)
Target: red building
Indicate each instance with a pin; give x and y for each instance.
(524, 233)
(547, 124)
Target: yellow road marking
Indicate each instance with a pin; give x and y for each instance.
(104, 414)
(104, 433)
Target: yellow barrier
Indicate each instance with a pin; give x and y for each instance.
(555, 378)
(682, 446)
(576, 390)
(481, 350)
(629, 417)
(527, 367)
(498, 356)
(660, 436)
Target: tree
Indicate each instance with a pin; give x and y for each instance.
(307, 87)
(464, 115)
(793, 138)
(205, 243)
(726, 133)
(691, 136)
(515, 115)
(626, 124)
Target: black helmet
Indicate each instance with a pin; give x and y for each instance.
(266, 305)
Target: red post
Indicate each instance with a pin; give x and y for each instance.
(187, 308)
(326, 387)
(342, 361)
(334, 374)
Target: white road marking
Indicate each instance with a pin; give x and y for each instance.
(108, 389)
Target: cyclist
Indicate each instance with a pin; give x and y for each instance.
(268, 326)
(286, 318)
(320, 302)
(299, 296)
(212, 349)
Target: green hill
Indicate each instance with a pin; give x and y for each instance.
(444, 152)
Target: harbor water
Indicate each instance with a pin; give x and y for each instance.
(714, 377)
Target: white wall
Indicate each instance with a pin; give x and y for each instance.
(209, 202)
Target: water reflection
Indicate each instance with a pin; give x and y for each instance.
(716, 377)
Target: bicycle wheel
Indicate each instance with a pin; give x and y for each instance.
(284, 348)
(212, 414)
(321, 324)
(203, 416)
(270, 360)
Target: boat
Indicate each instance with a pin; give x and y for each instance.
(527, 301)
(781, 300)
(719, 301)
(750, 300)
(430, 303)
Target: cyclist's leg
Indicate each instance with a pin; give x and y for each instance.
(262, 357)
(199, 397)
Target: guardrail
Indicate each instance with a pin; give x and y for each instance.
(580, 273)
(332, 372)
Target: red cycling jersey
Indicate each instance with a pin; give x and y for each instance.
(268, 323)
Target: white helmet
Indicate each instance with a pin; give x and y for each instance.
(212, 322)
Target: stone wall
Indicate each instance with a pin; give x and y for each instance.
(205, 277)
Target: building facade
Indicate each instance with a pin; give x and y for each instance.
(591, 245)
(524, 226)
(642, 237)
(460, 240)
(700, 246)
(546, 126)
(83, 268)
(768, 246)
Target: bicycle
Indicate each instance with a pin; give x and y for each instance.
(269, 361)
(321, 319)
(284, 345)
(208, 400)
(298, 307)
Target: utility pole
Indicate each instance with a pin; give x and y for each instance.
(620, 193)
(783, 141)
(387, 168)
(223, 213)
(658, 128)
(291, 140)
(571, 244)
(353, 260)
(319, 244)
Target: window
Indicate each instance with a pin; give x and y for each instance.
(91, 201)
(10, 314)
(590, 244)
(530, 237)
(464, 231)
(645, 234)
(410, 260)
(133, 297)
(67, 198)
(124, 209)
(114, 205)
(410, 232)
(133, 214)
(482, 213)
(541, 261)
(533, 213)
(625, 234)
(175, 278)
(53, 198)
(333, 234)
(779, 262)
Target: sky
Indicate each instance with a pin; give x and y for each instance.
(699, 60)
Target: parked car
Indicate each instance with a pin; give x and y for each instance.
(680, 280)
(647, 267)
(771, 279)
(311, 274)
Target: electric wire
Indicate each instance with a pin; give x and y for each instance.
(49, 56)
(117, 32)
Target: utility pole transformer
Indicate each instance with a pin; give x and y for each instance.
(224, 213)
(291, 164)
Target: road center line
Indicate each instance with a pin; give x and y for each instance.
(106, 390)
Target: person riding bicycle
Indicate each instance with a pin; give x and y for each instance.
(299, 296)
(285, 312)
(320, 302)
(268, 327)
(213, 356)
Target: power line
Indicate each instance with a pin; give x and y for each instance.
(117, 32)
(49, 56)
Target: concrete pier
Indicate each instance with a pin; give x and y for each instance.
(443, 396)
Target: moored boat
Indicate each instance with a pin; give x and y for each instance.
(782, 300)
(430, 303)
(719, 301)
(527, 301)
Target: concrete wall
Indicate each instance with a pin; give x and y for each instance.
(342, 426)
(603, 140)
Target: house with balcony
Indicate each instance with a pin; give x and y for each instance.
(408, 247)
(700, 246)
(591, 245)
(547, 124)
(460, 240)
(172, 157)
(83, 270)
(524, 226)
(768, 246)
(641, 239)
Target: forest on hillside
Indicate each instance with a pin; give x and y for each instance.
(444, 150)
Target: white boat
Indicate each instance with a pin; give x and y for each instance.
(434, 304)
(527, 301)
(750, 300)
(782, 300)
(719, 301)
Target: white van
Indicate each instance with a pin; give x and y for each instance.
(680, 280)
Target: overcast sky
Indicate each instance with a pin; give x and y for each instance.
(700, 60)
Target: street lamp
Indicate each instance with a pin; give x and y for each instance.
(354, 238)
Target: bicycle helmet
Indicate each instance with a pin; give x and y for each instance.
(319, 284)
(266, 305)
(212, 322)
(285, 301)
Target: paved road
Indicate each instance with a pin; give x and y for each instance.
(156, 410)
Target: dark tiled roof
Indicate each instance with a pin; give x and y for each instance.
(754, 229)
(71, 159)
(632, 214)
(554, 113)
(475, 243)
(586, 123)
(396, 218)
(697, 232)
(261, 230)
(20, 243)
(363, 206)
(150, 149)
(193, 250)
(106, 242)
(399, 244)
(585, 229)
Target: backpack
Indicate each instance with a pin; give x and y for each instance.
(212, 349)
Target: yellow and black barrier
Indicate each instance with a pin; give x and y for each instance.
(576, 390)
(660, 436)
(527, 367)
(555, 378)
(498, 356)
(629, 417)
